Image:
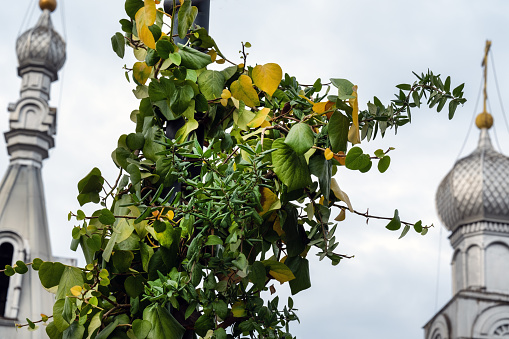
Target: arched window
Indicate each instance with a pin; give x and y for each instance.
(502, 331)
(6, 254)
(12, 249)
(497, 265)
(474, 267)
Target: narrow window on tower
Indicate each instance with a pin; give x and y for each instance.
(6, 253)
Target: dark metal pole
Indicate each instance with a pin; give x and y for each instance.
(202, 20)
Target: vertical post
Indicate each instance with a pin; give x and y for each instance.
(202, 20)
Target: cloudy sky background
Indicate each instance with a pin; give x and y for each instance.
(392, 287)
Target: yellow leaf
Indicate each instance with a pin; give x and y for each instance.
(322, 199)
(226, 94)
(145, 17)
(224, 102)
(279, 271)
(220, 61)
(170, 215)
(310, 210)
(269, 201)
(341, 160)
(304, 97)
(340, 194)
(319, 107)
(353, 133)
(341, 216)
(141, 72)
(259, 118)
(242, 89)
(239, 309)
(328, 154)
(213, 55)
(146, 37)
(76, 290)
(282, 277)
(267, 77)
(277, 227)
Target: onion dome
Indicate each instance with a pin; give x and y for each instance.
(477, 188)
(42, 46)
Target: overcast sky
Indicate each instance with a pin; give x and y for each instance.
(389, 290)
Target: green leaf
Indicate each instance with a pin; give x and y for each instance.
(186, 16)
(135, 176)
(192, 58)
(106, 217)
(190, 309)
(240, 262)
(141, 328)
(395, 223)
(58, 320)
(221, 308)
(184, 131)
(134, 286)
(50, 274)
(36, 264)
(220, 333)
(405, 231)
(356, 159)
(211, 84)
(322, 169)
(213, 240)
(118, 44)
(300, 268)
(181, 98)
(345, 88)
(9, 271)
(404, 87)
(457, 92)
(21, 268)
(452, 108)
(163, 323)
(296, 237)
(52, 331)
(146, 252)
(67, 312)
(132, 6)
(338, 131)
(152, 147)
(71, 276)
(203, 324)
(300, 138)
(135, 141)
(290, 167)
(384, 163)
(418, 226)
(164, 48)
(90, 186)
(258, 275)
(104, 334)
(122, 260)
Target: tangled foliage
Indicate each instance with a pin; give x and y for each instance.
(225, 185)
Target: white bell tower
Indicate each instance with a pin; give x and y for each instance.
(23, 223)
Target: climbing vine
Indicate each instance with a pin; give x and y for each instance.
(225, 185)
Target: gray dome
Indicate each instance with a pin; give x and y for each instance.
(41, 46)
(476, 189)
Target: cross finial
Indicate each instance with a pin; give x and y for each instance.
(484, 119)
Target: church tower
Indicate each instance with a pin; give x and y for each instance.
(473, 203)
(23, 224)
